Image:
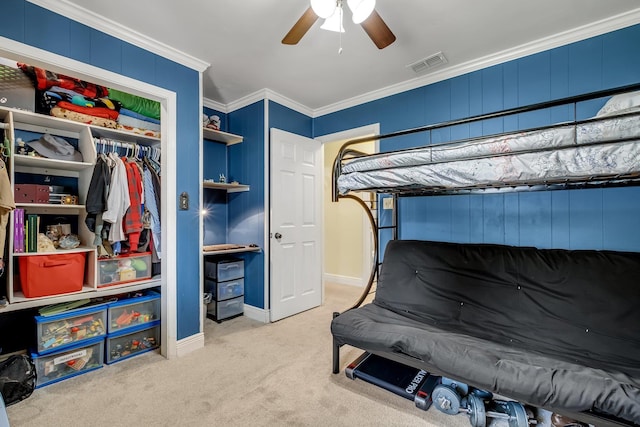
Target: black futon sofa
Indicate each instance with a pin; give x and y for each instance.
(552, 328)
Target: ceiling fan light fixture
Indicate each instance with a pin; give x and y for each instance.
(324, 8)
(361, 9)
(334, 22)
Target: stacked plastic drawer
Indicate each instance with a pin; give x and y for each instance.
(69, 344)
(133, 327)
(224, 279)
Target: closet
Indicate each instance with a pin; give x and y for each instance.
(51, 195)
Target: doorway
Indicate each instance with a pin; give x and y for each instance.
(348, 251)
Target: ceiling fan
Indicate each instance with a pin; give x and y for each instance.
(363, 11)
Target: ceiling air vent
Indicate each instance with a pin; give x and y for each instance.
(427, 63)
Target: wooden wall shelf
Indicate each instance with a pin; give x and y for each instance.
(220, 136)
(229, 187)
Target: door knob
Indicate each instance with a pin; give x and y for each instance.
(278, 236)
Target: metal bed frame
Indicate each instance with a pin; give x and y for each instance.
(347, 152)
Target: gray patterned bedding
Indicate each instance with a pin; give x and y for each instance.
(604, 146)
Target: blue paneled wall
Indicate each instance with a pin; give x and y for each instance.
(214, 202)
(246, 209)
(284, 118)
(594, 218)
(33, 25)
(246, 214)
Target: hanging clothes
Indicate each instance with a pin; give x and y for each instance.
(98, 192)
(118, 190)
(132, 224)
(152, 207)
(155, 181)
(118, 200)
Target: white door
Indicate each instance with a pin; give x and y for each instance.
(296, 224)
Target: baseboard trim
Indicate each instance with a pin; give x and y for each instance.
(190, 344)
(343, 280)
(255, 313)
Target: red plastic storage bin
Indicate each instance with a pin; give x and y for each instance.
(44, 275)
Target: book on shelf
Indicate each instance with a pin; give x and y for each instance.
(32, 232)
(18, 231)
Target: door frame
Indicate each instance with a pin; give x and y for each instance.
(359, 132)
(18, 51)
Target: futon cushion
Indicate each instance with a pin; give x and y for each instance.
(528, 377)
(578, 306)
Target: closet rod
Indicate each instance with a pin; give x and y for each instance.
(152, 152)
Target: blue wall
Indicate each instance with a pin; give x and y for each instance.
(38, 27)
(246, 209)
(244, 212)
(284, 118)
(215, 162)
(575, 219)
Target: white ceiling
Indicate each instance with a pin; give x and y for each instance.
(240, 39)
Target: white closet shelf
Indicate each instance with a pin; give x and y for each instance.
(229, 187)
(46, 163)
(20, 302)
(77, 250)
(54, 125)
(220, 136)
(51, 209)
(123, 135)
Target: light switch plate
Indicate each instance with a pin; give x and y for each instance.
(184, 201)
(387, 203)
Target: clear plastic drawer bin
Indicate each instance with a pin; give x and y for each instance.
(225, 290)
(133, 312)
(136, 341)
(73, 361)
(223, 270)
(221, 310)
(69, 328)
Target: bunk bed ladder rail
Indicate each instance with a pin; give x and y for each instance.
(375, 265)
(373, 222)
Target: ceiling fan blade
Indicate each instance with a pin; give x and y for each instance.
(378, 30)
(301, 27)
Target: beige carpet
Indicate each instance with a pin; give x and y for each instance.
(248, 374)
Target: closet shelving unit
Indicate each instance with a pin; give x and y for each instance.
(19, 120)
(226, 138)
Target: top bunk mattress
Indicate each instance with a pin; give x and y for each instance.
(604, 146)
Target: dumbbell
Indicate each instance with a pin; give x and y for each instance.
(447, 399)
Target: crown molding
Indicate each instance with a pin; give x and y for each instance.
(259, 95)
(268, 95)
(561, 39)
(215, 105)
(93, 20)
(289, 103)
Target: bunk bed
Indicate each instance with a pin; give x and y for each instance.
(599, 151)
